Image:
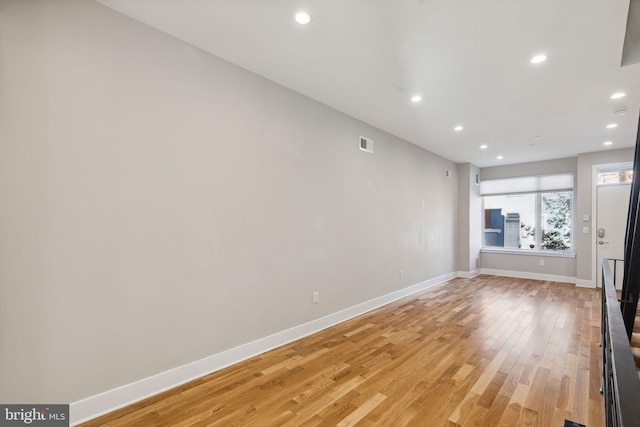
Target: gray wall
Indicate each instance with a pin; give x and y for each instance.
(160, 205)
(469, 219)
(532, 168)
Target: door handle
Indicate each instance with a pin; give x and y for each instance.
(602, 242)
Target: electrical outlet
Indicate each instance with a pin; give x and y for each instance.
(401, 274)
(541, 262)
(316, 297)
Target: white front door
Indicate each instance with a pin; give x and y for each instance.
(612, 206)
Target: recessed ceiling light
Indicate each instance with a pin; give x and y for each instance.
(612, 125)
(416, 98)
(303, 18)
(499, 157)
(618, 95)
(538, 59)
(484, 146)
(458, 128)
(538, 137)
(621, 112)
(607, 143)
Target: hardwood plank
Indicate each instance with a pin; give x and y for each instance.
(491, 351)
(362, 410)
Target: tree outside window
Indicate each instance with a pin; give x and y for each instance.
(556, 214)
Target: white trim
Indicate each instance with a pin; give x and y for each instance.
(127, 394)
(581, 283)
(467, 274)
(528, 275)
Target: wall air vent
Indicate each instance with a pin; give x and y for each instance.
(366, 144)
(477, 179)
(447, 173)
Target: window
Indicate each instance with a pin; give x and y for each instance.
(529, 213)
(615, 176)
(510, 221)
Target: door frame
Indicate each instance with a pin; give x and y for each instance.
(594, 213)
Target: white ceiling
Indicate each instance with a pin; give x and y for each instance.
(468, 59)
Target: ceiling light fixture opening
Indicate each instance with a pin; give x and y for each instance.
(607, 143)
(538, 59)
(458, 128)
(612, 125)
(500, 157)
(618, 95)
(621, 112)
(303, 18)
(484, 146)
(416, 98)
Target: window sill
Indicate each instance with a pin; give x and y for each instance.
(529, 253)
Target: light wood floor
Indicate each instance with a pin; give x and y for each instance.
(488, 351)
(635, 340)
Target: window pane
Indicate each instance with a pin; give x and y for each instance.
(556, 221)
(509, 221)
(615, 176)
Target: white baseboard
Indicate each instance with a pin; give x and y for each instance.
(528, 275)
(119, 397)
(585, 283)
(467, 274)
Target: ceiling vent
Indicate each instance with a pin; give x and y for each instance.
(366, 144)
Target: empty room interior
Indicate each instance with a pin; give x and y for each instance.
(265, 213)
